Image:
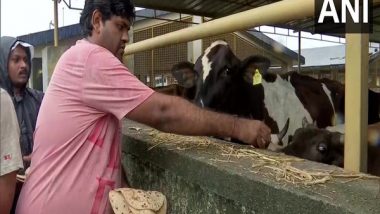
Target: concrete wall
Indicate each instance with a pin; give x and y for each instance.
(194, 181)
(50, 56)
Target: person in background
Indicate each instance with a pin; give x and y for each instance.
(10, 154)
(76, 155)
(15, 70)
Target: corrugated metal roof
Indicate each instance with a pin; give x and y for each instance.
(47, 36)
(273, 45)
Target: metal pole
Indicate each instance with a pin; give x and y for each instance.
(0, 18)
(153, 78)
(356, 102)
(55, 23)
(270, 14)
(377, 84)
(299, 51)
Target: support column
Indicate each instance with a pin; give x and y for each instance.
(0, 18)
(299, 51)
(55, 23)
(356, 102)
(195, 47)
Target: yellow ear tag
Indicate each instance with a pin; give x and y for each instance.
(257, 77)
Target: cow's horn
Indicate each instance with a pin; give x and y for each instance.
(277, 138)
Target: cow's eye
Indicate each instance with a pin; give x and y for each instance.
(226, 72)
(322, 148)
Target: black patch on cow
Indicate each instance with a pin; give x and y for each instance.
(373, 163)
(270, 77)
(337, 96)
(373, 107)
(311, 94)
(270, 122)
(338, 93)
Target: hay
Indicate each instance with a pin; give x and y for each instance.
(278, 165)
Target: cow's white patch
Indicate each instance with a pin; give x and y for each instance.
(328, 93)
(282, 103)
(206, 63)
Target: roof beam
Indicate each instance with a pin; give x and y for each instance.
(281, 11)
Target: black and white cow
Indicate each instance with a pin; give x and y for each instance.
(225, 84)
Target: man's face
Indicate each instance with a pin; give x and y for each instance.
(18, 67)
(114, 35)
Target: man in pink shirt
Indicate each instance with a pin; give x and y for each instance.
(76, 155)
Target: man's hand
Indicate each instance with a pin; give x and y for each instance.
(253, 132)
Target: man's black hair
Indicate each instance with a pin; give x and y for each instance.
(108, 8)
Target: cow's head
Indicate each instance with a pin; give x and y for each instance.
(221, 85)
(318, 145)
(185, 74)
(216, 68)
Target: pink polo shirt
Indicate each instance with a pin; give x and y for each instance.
(76, 155)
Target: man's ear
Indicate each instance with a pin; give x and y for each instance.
(96, 20)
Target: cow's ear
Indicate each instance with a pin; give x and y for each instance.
(198, 67)
(247, 73)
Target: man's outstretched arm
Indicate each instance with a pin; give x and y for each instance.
(177, 115)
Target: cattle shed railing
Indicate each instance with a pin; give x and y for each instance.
(281, 11)
(284, 11)
(205, 175)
